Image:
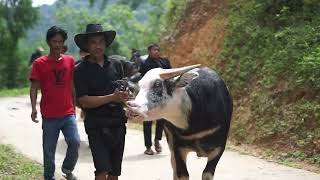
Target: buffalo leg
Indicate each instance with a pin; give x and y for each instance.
(173, 164)
(180, 161)
(212, 162)
(178, 158)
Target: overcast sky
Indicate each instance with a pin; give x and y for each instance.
(41, 2)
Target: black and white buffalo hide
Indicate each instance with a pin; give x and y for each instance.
(197, 108)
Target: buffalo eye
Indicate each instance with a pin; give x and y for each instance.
(157, 87)
(157, 84)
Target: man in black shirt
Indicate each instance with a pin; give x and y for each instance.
(153, 61)
(136, 59)
(95, 84)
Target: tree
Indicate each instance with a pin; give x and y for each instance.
(133, 4)
(156, 20)
(136, 26)
(17, 16)
(117, 17)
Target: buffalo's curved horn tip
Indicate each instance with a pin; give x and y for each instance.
(171, 73)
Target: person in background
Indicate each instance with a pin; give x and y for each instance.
(153, 61)
(38, 53)
(82, 54)
(136, 59)
(53, 75)
(64, 49)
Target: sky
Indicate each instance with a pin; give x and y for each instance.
(41, 2)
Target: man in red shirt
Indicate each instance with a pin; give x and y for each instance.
(53, 75)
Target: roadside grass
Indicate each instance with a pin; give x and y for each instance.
(283, 158)
(14, 166)
(14, 92)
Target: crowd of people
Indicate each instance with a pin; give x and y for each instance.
(89, 84)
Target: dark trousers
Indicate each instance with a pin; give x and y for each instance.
(147, 126)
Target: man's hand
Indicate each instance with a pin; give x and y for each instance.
(34, 116)
(132, 113)
(120, 96)
(35, 86)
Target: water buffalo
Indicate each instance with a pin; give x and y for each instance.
(197, 107)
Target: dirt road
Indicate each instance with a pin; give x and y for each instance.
(17, 129)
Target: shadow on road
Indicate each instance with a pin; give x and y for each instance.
(84, 150)
(137, 157)
(85, 153)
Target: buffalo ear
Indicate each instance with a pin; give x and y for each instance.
(185, 79)
(180, 81)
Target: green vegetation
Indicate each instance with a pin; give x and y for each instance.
(293, 158)
(272, 39)
(17, 16)
(14, 92)
(175, 11)
(271, 62)
(136, 28)
(14, 166)
(137, 22)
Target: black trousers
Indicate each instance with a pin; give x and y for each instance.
(147, 126)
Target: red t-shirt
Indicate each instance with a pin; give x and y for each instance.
(55, 79)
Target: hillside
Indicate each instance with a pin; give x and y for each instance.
(269, 56)
(198, 36)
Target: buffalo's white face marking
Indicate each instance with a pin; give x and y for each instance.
(154, 102)
(177, 109)
(144, 106)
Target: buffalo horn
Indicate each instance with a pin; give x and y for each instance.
(171, 73)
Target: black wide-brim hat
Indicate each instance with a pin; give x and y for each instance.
(81, 39)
